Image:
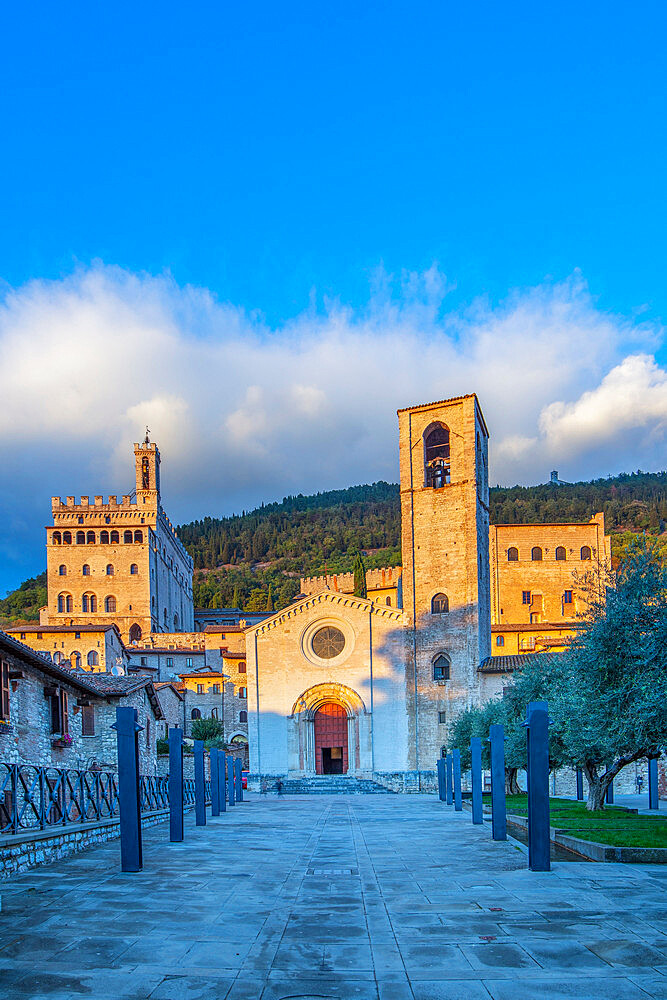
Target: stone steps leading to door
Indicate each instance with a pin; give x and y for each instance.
(333, 784)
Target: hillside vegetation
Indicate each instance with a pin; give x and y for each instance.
(254, 560)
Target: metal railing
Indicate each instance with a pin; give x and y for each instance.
(36, 798)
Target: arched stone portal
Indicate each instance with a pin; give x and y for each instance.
(329, 717)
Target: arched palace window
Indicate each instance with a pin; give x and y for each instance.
(536, 554)
(436, 456)
(440, 604)
(513, 554)
(441, 667)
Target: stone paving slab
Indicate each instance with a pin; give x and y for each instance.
(366, 897)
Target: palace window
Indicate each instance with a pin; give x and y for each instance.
(57, 657)
(55, 538)
(567, 597)
(90, 537)
(215, 689)
(85, 569)
(440, 604)
(560, 554)
(4, 690)
(525, 597)
(513, 554)
(62, 570)
(89, 604)
(441, 667)
(188, 661)
(109, 604)
(442, 719)
(243, 716)
(144, 661)
(388, 602)
(134, 569)
(243, 692)
(75, 659)
(127, 537)
(135, 633)
(67, 537)
(200, 689)
(436, 456)
(64, 602)
(88, 720)
(138, 537)
(195, 714)
(242, 666)
(536, 554)
(114, 538)
(81, 538)
(170, 661)
(500, 640)
(59, 714)
(104, 537)
(93, 659)
(109, 569)
(585, 552)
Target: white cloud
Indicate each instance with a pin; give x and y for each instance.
(244, 413)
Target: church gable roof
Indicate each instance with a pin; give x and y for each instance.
(325, 598)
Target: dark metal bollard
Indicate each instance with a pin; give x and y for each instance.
(456, 764)
(441, 778)
(476, 756)
(215, 799)
(537, 736)
(200, 784)
(129, 800)
(238, 768)
(653, 801)
(449, 779)
(222, 797)
(609, 797)
(498, 801)
(230, 781)
(580, 785)
(175, 785)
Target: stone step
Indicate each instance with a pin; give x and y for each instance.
(333, 785)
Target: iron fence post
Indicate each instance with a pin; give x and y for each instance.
(449, 779)
(537, 737)
(127, 737)
(653, 801)
(476, 778)
(456, 764)
(175, 786)
(498, 801)
(200, 784)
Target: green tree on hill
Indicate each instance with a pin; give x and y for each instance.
(360, 577)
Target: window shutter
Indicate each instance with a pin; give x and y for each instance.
(4, 670)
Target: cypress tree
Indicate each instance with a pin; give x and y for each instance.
(359, 577)
(269, 600)
(236, 600)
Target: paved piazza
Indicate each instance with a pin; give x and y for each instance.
(386, 897)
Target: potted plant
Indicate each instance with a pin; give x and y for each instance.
(61, 742)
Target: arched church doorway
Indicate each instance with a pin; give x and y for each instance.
(331, 739)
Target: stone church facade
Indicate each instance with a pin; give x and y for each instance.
(340, 684)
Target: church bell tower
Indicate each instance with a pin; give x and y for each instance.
(147, 472)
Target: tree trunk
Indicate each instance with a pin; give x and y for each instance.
(597, 787)
(511, 781)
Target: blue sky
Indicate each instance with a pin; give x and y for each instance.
(258, 193)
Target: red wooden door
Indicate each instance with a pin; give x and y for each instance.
(330, 736)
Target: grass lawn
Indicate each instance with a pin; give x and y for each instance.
(614, 825)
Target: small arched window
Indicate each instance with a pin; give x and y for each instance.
(92, 659)
(109, 569)
(500, 640)
(135, 633)
(85, 570)
(214, 713)
(75, 659)
(134, 569)
(64, 602)
(242, 666)
(57, 657)
(513, 554)
(62, 570)
(441, 667)
(388, 602)
(89, 603)
(585, 552)
(176, 622)
(138, 537)
(560, 554)
(243, 716)
(195, 713)
(436, 456)
(55, 538)
(127, 537)
(90, 537)
(80, 538)
(109, 604)
(536, 554)
(114, 538)
(440, 604)
(67, 537)
(104, 537)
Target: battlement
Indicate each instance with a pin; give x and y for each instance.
(343, 583)
(84, 506)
